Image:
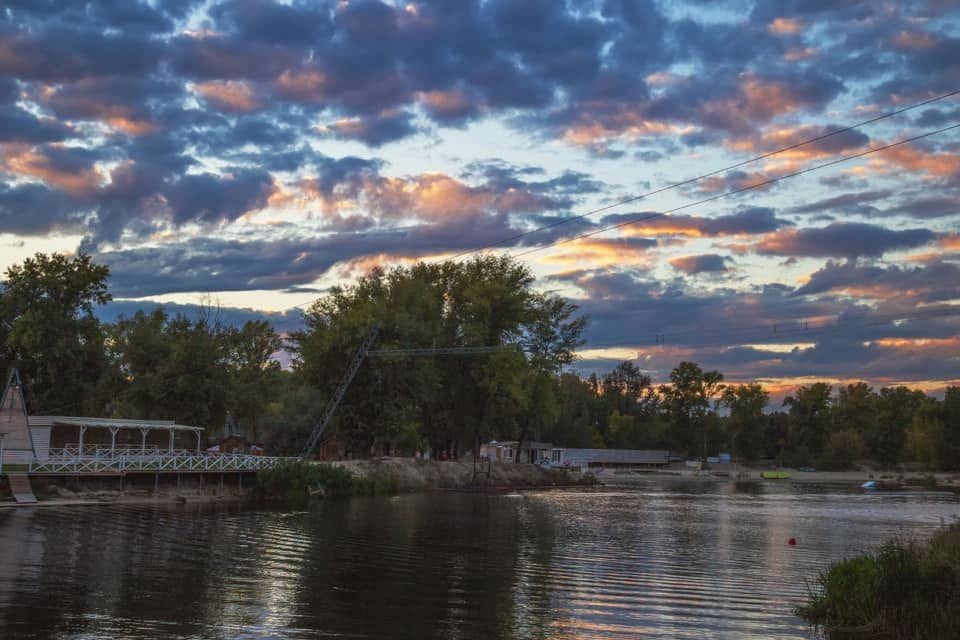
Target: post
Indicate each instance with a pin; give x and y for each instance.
(83, 430)
(171, 441)
(198, 442)
(143, 440)
(2, 436)
(113, 439)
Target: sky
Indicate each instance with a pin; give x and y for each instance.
(254, 153)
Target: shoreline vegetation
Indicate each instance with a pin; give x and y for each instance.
(907, 590)
(390, 476)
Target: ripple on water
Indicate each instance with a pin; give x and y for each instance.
(651, 560)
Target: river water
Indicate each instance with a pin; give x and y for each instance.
(655, 559)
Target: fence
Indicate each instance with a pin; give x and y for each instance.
(105, 460)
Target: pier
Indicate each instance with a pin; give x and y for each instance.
(90, 449)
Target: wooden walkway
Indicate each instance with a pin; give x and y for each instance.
(21, 489)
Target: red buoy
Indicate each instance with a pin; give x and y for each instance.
(792, 542)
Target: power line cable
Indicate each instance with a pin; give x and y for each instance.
(733, 192)
(675, 185)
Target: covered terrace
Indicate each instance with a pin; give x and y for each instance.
(85, 436)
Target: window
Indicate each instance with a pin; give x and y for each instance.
(555, 456)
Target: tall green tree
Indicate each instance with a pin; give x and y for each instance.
(448, 402)
(49, 331)
(172, 367)
(810, 417)
(951, 426)
(253, 370)
(896, 407)
(746, 403)
(689, 398)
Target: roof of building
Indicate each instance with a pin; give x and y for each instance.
(527, 444)
(616, 456)
(118, 423)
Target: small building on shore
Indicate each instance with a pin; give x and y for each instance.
(616, 458)
(533, 452)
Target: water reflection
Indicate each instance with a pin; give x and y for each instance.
(675, 559)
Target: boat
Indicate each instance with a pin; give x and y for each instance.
(774, 475)
(882, 485)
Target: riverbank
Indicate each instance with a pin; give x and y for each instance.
(366, 477)
(724, 473)
(907, 590)
(411, 475)
(57, 496)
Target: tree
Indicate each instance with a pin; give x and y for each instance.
(746, 403)
(450, 402)
(172, 367)
(50, 333)
(895, 410)
(253, 370)
(689, 398)
(845, 447)
(810, 417)
(856, 408)
(951, 426)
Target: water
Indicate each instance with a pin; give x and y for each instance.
(663, 559)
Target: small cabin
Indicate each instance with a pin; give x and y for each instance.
(534, 452)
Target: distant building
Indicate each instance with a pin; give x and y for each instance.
(235, 443)
(533, 452)
(612, 458)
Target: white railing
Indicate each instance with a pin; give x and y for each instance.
(149, 459)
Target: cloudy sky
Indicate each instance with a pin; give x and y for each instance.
(257, 152)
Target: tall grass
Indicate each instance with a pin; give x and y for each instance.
(294, 480)
(297, 479)
(907, 590)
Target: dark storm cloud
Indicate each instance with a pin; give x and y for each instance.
(842, 239)
(858, 202)
(61, 52)
(923, 283)
(272, 23)
(282, 321)
(927, 208)
(375, 131)
(746, 221)
(500, 175)
(203, 264)
(705, 263)
(19, 125)
(211, 198)
(664, 322)
(33, 209)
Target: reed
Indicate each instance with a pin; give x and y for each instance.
(908, 590)
(298, 479)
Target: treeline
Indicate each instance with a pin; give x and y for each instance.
(196, 369)
(817, 425)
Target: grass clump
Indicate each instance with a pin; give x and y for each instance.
(379, 483)
(295, 480)
(300, 479)
(907, 590)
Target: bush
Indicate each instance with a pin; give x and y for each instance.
(381, 483)
(297, 479)
(908, 590)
